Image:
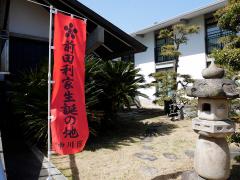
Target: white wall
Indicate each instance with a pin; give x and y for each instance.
(146, 62)
(193, 58)
(28, 19)
(192, 61)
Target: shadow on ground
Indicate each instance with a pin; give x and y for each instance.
(235, 172)
(73, 167)
(191, 175)
(129, 128)
(168, 176)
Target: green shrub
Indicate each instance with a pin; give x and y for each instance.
(109, 86)
(28, 94)
(120, 83)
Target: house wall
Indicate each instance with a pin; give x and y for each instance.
(145, 61)
(26, 18)
(192, 60)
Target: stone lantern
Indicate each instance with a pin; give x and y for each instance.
(212, 157)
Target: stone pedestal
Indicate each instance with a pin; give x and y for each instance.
(212, 160)
(212, 157)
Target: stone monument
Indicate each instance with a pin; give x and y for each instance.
(212, 157)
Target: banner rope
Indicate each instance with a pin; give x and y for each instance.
(55, 10)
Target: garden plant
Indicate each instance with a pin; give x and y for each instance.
(167, 82)
(109, 87)
(229, 56)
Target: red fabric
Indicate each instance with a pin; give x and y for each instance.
(69, 125)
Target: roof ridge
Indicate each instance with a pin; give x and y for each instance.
(218, 2)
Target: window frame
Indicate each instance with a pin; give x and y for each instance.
(157, 49)
(216, 35)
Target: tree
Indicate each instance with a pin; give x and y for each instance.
(177, 36)
(229, 19)
(229, 57)
(166, 82)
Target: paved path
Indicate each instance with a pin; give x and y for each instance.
(2, 163)
(25, 163)
(21, 162)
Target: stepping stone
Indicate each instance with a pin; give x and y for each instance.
(149, 171)
(145, 156)
(147, 139)
(189, 153)
(147, 147)
(170, 156)
(190, 175)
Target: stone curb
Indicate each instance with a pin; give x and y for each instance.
(54, 172)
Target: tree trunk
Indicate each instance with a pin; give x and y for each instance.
(176, 64)
(175, 70)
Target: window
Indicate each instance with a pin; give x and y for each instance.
(159, 43)
(128, 58)
(165, 69)
(4, 53)
(25, 53)
(213, 34)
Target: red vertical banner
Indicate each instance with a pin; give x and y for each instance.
(69, 125)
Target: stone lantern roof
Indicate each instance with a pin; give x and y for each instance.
(213, 85)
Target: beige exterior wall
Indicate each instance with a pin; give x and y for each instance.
(33, 22)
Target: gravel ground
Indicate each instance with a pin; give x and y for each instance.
(146, 146)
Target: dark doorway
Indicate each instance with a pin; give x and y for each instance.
(25, 53)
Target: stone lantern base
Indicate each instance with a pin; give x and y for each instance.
(212, 160)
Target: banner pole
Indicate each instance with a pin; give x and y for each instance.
(49, 90)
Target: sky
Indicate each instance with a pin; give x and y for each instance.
(134, 15)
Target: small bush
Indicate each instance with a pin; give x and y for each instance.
(109, 86)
